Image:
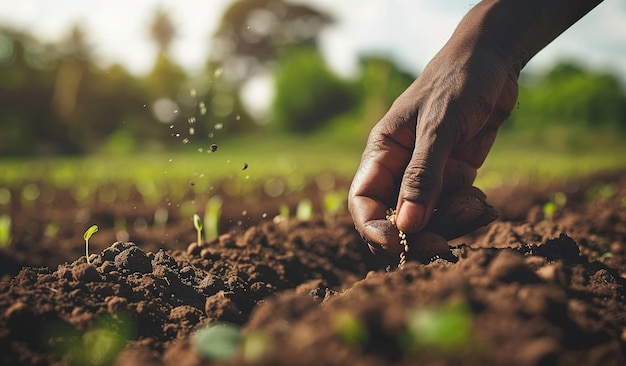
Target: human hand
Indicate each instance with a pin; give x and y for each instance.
(425, 151)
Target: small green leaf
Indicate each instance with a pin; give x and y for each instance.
(219, 341)
(197, 222)
(92, 230)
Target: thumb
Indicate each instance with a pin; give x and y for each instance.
(422, 181)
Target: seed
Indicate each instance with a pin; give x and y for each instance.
(213, 147)
(391, 216)
(245, 166)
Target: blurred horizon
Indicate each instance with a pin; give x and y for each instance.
(83, 78)
(408, 32)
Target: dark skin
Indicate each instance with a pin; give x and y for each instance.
(425, 152)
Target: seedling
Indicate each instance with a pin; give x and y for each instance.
(350, 329)
(218, 342)
(440, 328)
(282, 220)
(5, 231)
(197, 223)
(100, 345)
(224, 341)
(212, 217)
(88, 234)
(304, 211)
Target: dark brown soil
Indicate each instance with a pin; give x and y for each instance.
(527, 290)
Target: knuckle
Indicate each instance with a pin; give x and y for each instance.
(420, 179)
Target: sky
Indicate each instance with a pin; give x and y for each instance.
(410, 31)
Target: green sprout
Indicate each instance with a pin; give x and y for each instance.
(304, 211)
(549, 208)
(350, 329)
(197, 223)
(333, 203)
(282, 220)
(88, 234)
(212, 217)
(51, 230)
(99, 345)
(219, 341)
(5, 231)
(223, 341)
(440, 328)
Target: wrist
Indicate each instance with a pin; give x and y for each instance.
(515, 31)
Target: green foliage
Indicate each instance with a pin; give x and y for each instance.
(87, 235)
(308, 94)
(601, 192)
(218, 341)
(222, 341)
(439, 328)
(212, 217)
(5, 231)
(333, 203)
(549, 208)
(304, 211)
(100, 345)
(350, 329)
(571, 95)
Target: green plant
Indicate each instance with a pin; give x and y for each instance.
(601, 192)
(439, 328)
(304, 211)
(5, 231)
(212, 217)
(549, 208)
(222, 341)
(197, 223)
(100, 345)
(350, 329)
(218, 341)
(282, 220)
(88, 234)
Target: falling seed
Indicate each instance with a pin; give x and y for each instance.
(238, 117)
(202, 108)
(192, 92)
(192, 131)
(213, 147)
(200, 149)
(245, 166)
(219, 126)
(171, 126)
(185, 141)
(193, 183)
(191, 120)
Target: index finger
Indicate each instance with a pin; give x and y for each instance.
(374, 189)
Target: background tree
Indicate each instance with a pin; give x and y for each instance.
(251, 37)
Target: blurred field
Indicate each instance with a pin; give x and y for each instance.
(515, 158)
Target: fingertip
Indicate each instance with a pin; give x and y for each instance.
(410, 217)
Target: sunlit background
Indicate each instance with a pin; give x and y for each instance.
(148, 76)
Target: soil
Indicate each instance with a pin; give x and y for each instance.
(534, 288)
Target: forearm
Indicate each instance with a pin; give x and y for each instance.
(518, 29)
